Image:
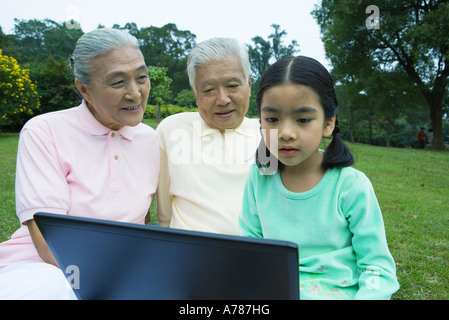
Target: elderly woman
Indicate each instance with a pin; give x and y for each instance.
(95, 160)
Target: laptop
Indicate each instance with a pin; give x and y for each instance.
(108, 260)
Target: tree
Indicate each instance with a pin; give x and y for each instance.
(264, 52)
(160, 88)
(166, 47)
(36, 40)
(186, 98)
(55, 85)
(19, 99)
(411, 39)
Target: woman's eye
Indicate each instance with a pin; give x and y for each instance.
(118, 83)
(304, 120)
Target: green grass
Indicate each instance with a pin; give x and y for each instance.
(412, 187)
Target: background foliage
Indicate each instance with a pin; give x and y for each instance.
(391, 65)
(390, 81)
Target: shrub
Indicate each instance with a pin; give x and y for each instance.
(166, 110)
(19, 99)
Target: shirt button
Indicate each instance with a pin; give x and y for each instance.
(113, 134)
(116, 157)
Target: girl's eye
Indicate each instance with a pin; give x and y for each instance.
(304, 120)
(271, 119)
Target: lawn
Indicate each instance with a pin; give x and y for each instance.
(412, 187)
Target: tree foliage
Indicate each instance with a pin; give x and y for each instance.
(411, 46)
(160, 88)
(264, 52)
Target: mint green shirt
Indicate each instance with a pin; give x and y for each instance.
(338, 226)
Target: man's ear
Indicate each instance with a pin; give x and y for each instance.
(83, 90)
(194, 94)
(329, 126)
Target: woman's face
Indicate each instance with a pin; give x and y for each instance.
(119, 88)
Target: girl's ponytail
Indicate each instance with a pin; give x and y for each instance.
(337, 154)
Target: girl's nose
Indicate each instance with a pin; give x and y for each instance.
(287, 132)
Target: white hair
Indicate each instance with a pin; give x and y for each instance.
(96, 43)
(215, 50)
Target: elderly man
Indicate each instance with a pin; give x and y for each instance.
(206, 155)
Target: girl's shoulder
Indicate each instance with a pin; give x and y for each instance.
(351, 175)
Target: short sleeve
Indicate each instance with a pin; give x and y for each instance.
(40, 180)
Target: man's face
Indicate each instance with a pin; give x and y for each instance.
(222, 93)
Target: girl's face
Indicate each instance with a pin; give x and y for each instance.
(296, 113)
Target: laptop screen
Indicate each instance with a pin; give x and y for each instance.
(116, 260)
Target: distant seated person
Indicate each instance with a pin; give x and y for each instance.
(96, 160)
(206, 155)
(421, 137)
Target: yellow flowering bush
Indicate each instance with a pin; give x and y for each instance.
(19, 100)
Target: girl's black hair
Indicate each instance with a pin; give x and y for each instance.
(309, 72)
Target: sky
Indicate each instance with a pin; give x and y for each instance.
(241, 19)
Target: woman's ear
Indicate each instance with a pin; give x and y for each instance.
(329, 126)
(82, 89)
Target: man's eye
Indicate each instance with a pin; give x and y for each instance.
(143, 79)
(304, 120)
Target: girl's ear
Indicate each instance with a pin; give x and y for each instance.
(329, 127)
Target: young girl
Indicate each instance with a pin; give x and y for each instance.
(315, 198)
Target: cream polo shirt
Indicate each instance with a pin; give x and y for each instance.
(203, 172)
(69, 163)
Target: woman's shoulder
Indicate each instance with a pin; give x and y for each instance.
(46, 120)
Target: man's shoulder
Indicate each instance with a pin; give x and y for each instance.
(177, 120)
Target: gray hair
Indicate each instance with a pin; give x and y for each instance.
(215, 50)
(96, 43)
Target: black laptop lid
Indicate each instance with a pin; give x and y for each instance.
(115, 260)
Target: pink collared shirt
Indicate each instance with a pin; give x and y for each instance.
(69, 163)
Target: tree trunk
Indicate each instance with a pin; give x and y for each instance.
(435, 100)
(351, 124)
(387, 132)
(158, 113)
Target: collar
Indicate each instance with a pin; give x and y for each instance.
(248, 127)
(95, 128)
